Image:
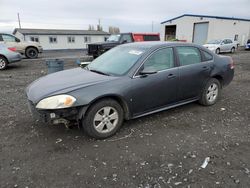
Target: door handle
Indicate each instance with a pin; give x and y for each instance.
(171, 75)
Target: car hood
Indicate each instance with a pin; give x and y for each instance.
(63, 82)
(210, 45)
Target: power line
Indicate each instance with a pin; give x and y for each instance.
(19, 20)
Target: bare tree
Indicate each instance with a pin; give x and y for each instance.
(114, 30)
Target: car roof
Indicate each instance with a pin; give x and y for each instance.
(155, 44)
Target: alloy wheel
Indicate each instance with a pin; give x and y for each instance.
(106, 119)
(212, 92)
(2, 63)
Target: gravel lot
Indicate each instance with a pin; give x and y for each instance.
(161, 150)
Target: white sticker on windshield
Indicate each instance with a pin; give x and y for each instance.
(135, 52)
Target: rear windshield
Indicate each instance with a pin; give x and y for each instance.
(151, 38)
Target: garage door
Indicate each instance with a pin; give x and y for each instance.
(200, 33)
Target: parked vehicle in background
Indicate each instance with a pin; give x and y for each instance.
(247, 46)
(29, 49)
(8, 56)
(218, 46)
(130, 81)
(96, 49)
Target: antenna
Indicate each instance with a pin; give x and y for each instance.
(19, 20)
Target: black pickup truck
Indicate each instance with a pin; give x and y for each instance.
(96, 49)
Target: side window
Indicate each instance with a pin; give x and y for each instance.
(224, 42)
(160, 60)
(207, 56)
(71, 39)
(34, 39)
(151, 38)
(8, 38)
(229, 41)
(52, 39)
(188, 55)
(87, 39)
(126, 37)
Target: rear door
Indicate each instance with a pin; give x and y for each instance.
(193, 72)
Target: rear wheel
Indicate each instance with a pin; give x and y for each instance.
(233, 50)
(3, 63)
(31, 52)
(210, 92)
(217, 51)
(103, 119)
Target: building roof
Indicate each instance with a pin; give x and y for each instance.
(206, 16)
(58, 32)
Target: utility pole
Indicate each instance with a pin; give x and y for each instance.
(152, 26)
(19, 20)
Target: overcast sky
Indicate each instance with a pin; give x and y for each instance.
(128, 15)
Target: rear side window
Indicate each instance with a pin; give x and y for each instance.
(207, 56)
(8, 38)
(188, 55)
(160, 60)
(151, 37)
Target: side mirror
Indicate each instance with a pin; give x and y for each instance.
(84, 64)
(148, 71)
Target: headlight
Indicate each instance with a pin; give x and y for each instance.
(56, 102)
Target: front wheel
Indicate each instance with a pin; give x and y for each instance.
(3, 63)
(233, 50)
(217, 51)
(210, 93)
(103, 119)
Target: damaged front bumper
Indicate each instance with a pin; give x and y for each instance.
(59, 116)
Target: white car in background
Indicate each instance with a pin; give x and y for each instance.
(218, 46)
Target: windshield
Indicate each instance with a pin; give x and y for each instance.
(114, 38)
(214, 42)
(116, 61)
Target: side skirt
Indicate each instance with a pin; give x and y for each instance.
(166, 108)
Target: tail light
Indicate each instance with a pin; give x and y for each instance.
(12, 49)
(231, 63)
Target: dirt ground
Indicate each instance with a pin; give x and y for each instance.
(166, 149)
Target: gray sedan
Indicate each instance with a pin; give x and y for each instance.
(218, 46)
(130, 81)
(8, 56)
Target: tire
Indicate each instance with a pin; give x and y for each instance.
(102, 116)
(233, 50)
(217, 51)
(210, 93)
(3, 63)
(31, 53)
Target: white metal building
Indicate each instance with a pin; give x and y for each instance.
(53, 39)
(201, 28)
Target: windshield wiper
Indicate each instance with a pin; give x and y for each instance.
(99, 72)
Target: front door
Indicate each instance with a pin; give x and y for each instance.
(158, 88)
